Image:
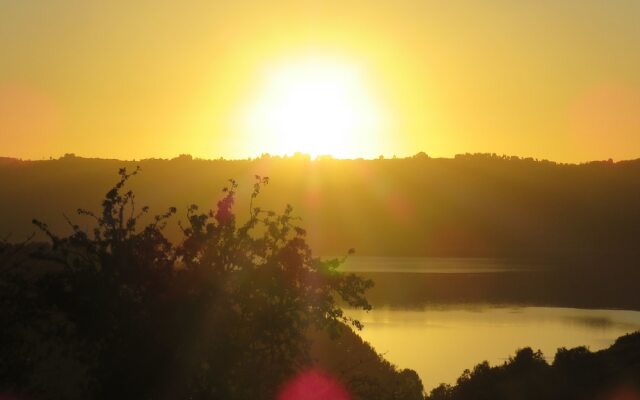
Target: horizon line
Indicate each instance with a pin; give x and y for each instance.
(320, 157)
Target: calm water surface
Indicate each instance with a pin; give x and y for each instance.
(441, 340)
(431, 265)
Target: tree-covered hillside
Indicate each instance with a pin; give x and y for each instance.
(472, 205)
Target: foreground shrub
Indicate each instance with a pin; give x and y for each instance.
(119, 311)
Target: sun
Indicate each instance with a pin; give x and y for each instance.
(315, 106)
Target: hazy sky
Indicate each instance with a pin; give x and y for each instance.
(556, 79)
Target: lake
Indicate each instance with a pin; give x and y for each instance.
(440, 342)
(428, 265)
(442, 316)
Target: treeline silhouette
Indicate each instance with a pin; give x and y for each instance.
(610, 374)
(231, 311)
(472, 205)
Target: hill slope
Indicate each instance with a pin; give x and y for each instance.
(472, 205)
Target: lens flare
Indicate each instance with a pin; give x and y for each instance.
(313, 385)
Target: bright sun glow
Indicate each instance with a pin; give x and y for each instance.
(317, 107)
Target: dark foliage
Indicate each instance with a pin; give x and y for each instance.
(613, 373)
(366, 374)
(122, 312)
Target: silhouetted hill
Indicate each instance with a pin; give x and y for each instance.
(471, 205)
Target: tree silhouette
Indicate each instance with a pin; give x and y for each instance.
(612, 373)
(223, 314)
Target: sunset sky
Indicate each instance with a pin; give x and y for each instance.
(550, 79)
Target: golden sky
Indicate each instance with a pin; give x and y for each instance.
(135, 79)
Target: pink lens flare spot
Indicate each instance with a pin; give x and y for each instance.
(313, 385)
(624, 393)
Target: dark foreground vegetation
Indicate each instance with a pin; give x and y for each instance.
(610, 374)
(229, 312)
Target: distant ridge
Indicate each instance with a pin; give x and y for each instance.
(472, 205)
(298, 155)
